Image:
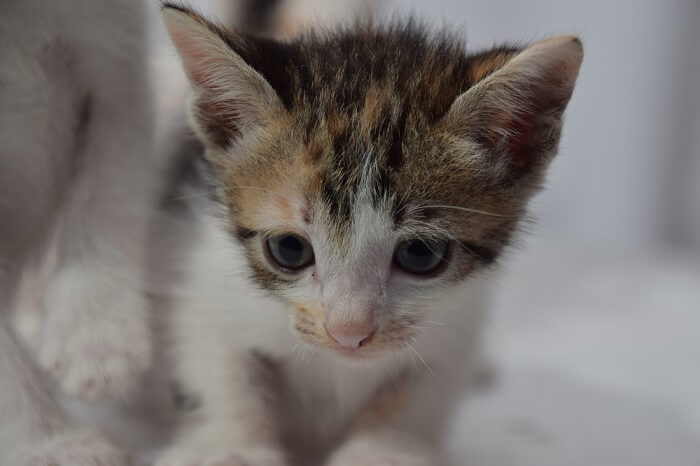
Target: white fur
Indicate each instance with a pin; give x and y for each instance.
(215, 317)
(215, 320)
(76, 160)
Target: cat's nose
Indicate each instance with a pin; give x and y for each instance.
(351, 335)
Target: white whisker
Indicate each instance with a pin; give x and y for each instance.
(433, 322)
(261, 189)
(421, 358)
(213, 191)
(192, 196)
(278, 170)
(465, 209)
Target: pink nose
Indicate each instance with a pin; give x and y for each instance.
(351, 334)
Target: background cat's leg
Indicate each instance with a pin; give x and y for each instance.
(37, 125)
(33, 429)
(96, 338)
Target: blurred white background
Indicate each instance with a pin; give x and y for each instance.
(629, 168)
(596, 331)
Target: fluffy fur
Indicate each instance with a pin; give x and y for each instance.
(76, 185)
(355, 140)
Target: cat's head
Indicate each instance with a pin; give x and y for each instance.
(367, 170)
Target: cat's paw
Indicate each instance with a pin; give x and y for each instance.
(375, 454)
(96, 338)
(83, 448)
(243, 456)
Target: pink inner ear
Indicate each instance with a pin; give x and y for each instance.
(519, 145)
(521, 123)
(203, 59)
(506, 132)
(206, 68)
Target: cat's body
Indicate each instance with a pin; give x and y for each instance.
(320, 300)
(231, 347)
(78, 189)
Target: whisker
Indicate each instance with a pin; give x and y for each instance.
(421, 358)
(433, 322)
(229, 188)
(278, 170)
(430, 231)
(300, 351)
(261, 189)
(465, 209)
(192, 196)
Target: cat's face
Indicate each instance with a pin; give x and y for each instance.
(365, 172)
(360, 248)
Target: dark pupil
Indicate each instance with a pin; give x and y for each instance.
(420, 256)
(291, 250)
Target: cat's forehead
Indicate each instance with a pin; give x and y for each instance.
(369, 98)
(362, 131)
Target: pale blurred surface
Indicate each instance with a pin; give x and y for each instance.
(629, 166)
(598, 353)
(597, 326)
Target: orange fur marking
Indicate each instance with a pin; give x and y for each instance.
(484, 66)
(335, 124)
(382, 407)
(374, 105)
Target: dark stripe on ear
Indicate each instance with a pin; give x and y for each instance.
(483, 254)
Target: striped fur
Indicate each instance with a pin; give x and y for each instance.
(369, 106)
(355, 140)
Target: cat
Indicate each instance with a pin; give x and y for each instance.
(78, 188)
(323, 285)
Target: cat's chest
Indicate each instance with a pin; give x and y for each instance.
(320, 396)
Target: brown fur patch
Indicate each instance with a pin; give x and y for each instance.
(383, 406)
(336, 124)
(375, 106)
(485, 64)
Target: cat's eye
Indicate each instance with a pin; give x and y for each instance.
(290, 251)
(420, 257)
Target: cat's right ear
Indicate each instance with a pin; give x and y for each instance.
(230, 96)
(515, 108)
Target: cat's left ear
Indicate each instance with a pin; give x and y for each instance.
(515, 111)
(230, 96)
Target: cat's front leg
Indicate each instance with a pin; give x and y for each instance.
(403, 424)
(231, 422)
(384, 448)
(376, 442)
(218, 444)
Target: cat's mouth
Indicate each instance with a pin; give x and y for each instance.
(390, 337)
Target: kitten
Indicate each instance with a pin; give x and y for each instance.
(330, 289)
(77, 183)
